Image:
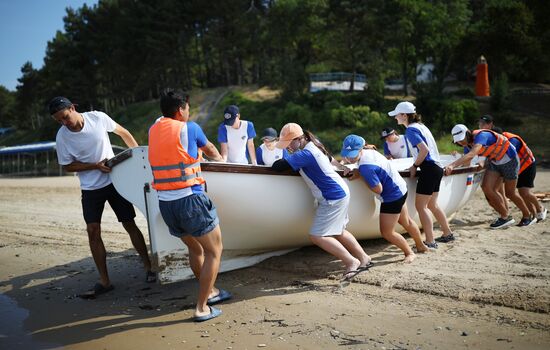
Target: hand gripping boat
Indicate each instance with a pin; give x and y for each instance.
(264, 213)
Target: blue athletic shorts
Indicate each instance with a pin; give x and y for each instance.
(193, 215)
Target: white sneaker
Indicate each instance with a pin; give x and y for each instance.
(542, 215)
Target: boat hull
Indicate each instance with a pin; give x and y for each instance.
(263, 213)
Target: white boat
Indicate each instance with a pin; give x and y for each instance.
(263, 213)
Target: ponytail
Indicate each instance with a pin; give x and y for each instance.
(414, 118)
(312, 138)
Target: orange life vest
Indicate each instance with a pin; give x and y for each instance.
(525, 155)
(497, 150)
(173, 168)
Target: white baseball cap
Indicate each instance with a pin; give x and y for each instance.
(403, 107)
(459, 132)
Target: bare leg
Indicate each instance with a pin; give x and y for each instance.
(439, 214)
(387, 226)
(332, 246)
(350, 243)
(421, 204)
(212, 245)
(491, 178)
(138, 242)
(412, 228)
(510, 187)
(98, 252)
(530, 200)
(196, 259)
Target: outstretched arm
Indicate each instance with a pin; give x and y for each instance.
(465, 159)
(212, 152)
(125, 136)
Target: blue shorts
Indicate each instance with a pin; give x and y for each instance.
(193, 215)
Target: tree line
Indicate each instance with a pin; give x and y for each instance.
(123, 51)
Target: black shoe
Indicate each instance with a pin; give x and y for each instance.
(501, 223)
(432, 245)
(527, 222)
(445, 239)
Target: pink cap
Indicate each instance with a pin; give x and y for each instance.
(288, 133)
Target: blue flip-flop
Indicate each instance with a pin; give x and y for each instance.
(213, 314)
(223, 295)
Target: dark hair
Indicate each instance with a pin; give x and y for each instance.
(311, 137)
(414, 118)
(469, 137)
(497, 129)
(171, 100)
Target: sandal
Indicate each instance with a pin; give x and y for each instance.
(97, 290)
(150, 277)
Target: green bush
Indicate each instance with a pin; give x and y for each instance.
(500, 93)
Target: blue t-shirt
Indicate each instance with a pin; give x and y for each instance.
(415, 137)
(376, 169)
(318, 173)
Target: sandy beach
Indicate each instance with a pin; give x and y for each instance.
(490, 289)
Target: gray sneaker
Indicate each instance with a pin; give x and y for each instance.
(432, 245)
(502, 223)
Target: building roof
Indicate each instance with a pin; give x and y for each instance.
(30, 148)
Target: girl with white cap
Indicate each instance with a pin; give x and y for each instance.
(385, 181)
(311, 159)
(426, 157)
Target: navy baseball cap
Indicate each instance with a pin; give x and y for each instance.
(269, 134)
(487, 118)
(352, 145)
(386, 132)
(58, 103)
(230, 114)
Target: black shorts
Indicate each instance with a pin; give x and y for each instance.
(527, 177)
(93, 203)
(429, 178)
(393, 207)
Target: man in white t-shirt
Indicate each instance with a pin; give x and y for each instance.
(83, 146)
(236, 137)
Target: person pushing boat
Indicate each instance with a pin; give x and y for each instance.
(311, 159)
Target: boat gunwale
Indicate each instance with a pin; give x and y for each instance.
(265, 170)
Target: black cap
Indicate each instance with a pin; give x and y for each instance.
(486, 118)
(58, 103)
(386, 132)
(269, 133)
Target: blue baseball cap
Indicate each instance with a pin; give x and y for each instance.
(230, 114)
(352, 145)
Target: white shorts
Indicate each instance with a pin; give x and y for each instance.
(331, 217)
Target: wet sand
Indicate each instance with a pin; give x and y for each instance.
(490, 289)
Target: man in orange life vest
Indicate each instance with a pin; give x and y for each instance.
(174, 144)
(502, 161)
(527, 174)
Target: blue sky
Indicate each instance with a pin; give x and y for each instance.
(26, 26)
